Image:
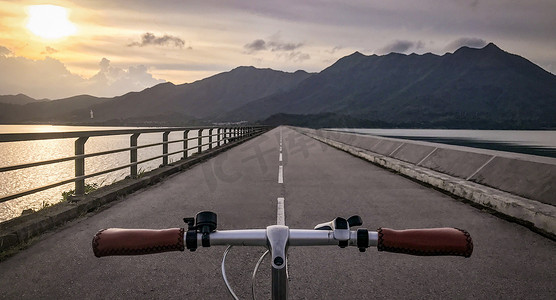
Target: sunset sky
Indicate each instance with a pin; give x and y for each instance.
(107, 47)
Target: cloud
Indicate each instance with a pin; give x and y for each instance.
(150, 39)
(334, 50)
(295, 56)
(357, 25)
(274, 46)
(299, 56)
(401, 46)
(256, 45)
(49, 50)
(49, 78)
(121, 81)
(4, 51)
(277, 46)
(282, 49)
(467, 42)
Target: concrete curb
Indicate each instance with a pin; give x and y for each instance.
(20, 230)
(533, 214)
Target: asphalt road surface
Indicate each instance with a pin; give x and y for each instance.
(319, 183)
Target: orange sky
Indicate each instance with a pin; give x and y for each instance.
(128, 45)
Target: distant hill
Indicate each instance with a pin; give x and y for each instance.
(484, 88)
(16, 99)
(205, 99)
(322, 120)
(163, 104)
(47, 111)
(471, 88)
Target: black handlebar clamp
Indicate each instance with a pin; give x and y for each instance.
(341, 227)
(204, 222)
(362, 239)
(342, 224)
(191, 234)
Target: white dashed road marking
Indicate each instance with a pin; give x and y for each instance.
(280, 213)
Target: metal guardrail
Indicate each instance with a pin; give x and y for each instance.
(217, 136)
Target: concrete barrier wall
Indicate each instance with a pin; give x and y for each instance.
(386, 147)
(413, 153)
(457, 163)
(528, 179)
(519, 176)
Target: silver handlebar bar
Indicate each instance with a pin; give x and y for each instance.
(297, 237)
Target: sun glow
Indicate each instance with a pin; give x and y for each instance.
(50, 21)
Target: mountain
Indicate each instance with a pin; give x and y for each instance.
(471, 88)
(485, 88)
(16, 99)
(163, 104)
(47, 111)
(322, 120)
(204, 99)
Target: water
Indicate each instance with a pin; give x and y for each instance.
(15, 153)
(533, 142)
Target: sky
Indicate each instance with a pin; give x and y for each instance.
(107, 48)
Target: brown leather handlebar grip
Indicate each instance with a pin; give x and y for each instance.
(426, 242)
(116, 241)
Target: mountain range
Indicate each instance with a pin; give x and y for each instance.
(470, 88)
(165, 104)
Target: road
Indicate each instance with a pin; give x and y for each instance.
(318, 183)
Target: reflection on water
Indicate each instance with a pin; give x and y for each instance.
(534, 142)
(54, 128)
(15, 153)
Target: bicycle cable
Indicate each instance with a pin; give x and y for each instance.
(224, 273)
(255, 273)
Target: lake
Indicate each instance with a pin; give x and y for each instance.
(15, 153)
(534, 142)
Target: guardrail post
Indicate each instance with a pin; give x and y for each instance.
(185, 140)
(80, 165)
(218, 139)
(165, 147)
(210, 138)
(133, 154)
(200, 141)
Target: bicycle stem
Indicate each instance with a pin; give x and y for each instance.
(277, 239)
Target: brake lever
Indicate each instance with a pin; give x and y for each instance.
(352, 222)
(355, 221)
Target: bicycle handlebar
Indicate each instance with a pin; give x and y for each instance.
(427, 242)
(116, 241)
